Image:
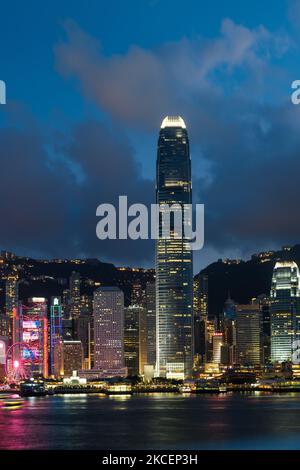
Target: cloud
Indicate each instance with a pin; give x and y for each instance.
(138, 87)
(51, 185)
(294, 13)
(233, 92)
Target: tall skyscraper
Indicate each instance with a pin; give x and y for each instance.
(72, 357)
(201, 296)
(108, 328)
(75, 295)
(137, 294)
(151, 323)
(83, 328)
(174, 264)
(56, 332)
(30, 326)
(200, 310)
(248, 334)
(217, 342)
(131, 338)
(264, 303)
(142, 340)
(284, 310)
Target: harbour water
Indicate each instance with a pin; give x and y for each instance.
(159, 421)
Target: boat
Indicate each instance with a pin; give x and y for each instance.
(12, 402)
(119, 389)
(33, 388)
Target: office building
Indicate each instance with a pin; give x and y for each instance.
(56, 332)
(284, 310)
(30, 327)
(174, 264)
(74, 301)
(72, 356)
(131, 339)
(108, 311)
(248, 334)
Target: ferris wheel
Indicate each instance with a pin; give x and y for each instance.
(19, 363)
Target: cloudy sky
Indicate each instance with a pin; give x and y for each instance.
(88, 84)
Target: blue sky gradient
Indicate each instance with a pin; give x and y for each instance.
(89, 82)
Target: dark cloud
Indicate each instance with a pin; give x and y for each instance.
(232, 91)
(50, 187)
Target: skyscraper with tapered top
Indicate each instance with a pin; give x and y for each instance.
(174, 264)
(285, 311)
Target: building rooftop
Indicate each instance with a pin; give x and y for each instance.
(285, 264)
(173, 121)
(108, 289)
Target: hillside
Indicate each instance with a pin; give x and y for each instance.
(245, 279)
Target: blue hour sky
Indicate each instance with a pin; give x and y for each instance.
(88, 84)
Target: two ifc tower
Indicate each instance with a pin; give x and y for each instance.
(174, 261)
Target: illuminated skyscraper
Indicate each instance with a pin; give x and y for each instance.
(201, 296)
(75, 295)
(30, 327)
(284, 310)
(151, 323)
(217, 341)
(131, 338)
(248, 334)
(55, 328)
(174, 265)
(72, 357)
(108, 328)
(83, 330)
(200, 307)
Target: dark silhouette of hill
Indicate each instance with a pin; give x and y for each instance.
(244, 280)
(42, 278)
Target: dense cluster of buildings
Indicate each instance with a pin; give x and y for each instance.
(165, 330)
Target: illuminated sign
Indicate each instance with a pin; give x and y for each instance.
(31, 324)
(31, 336)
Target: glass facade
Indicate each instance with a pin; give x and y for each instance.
(285, 302)
(55, 329)
(248, 334)
(174, 264)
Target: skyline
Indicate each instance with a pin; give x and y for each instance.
(59, 126)
(150, 231)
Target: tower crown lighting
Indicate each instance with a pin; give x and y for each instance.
(173, 121)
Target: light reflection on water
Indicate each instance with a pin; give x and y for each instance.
(161, 421)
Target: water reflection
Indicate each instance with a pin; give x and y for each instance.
(153, 421)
